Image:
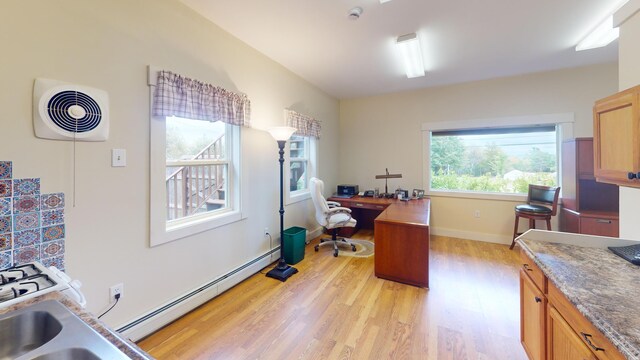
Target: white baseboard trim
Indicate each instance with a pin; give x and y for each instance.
(472, 235)
(177, 307)
(162, 315)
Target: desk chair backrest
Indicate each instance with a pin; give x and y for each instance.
(316, 186)
(544, 195)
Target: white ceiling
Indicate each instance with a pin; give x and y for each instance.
(462, 40)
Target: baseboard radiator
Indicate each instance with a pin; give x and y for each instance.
(170, 311)
(164, 314)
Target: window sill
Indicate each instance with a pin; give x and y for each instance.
(298, 196)
(478, 195)
(188, 228)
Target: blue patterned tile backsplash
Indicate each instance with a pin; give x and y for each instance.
(31, 225)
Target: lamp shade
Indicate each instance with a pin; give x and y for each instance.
(282, 133)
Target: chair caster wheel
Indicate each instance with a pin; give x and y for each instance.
(317, 247)
(335, 253)
(353, 247)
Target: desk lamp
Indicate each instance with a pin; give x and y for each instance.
(282, 271)
(386, 177)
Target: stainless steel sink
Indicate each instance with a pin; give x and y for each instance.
(49, 331)
(23, 332)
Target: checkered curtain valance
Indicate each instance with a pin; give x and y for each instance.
(180, 96)
(305, 125)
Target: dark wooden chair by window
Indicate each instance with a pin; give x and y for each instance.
(542, 204)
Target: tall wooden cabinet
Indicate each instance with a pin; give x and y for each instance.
(616, 133)
(589, 207)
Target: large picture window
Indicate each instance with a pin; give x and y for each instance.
(495, 160)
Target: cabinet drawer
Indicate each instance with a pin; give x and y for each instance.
(589, 335)
(363, 205)
(534, 272)
(602, 227)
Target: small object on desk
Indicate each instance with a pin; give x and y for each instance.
(368, 193)
(402, 194)
(386, 177)
(630, 253)
(418, 193)
(347, 189)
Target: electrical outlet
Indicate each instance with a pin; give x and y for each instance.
(476, 214)
(116, 289)
(266, 231)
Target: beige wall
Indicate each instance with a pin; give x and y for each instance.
(385, 131)
(629, 58)
(108, 45)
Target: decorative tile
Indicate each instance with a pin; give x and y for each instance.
(55, 232)
(26, 221)
(57, 261)
(52, 217)
(26, 238)
(5, 224)
(23, 187)
(52, 248)
(5, 206)
(5, 260)
(5, 188)
(52, 201)
(26, 254)
(6, 170)
(5, 242)
(26, 204)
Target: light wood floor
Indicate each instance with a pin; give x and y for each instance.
(335, 308)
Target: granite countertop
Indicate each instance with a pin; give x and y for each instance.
(126, 346)
(602, 286)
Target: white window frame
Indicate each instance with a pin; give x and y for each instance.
(163, 231)
(312, 169)
(564, 130)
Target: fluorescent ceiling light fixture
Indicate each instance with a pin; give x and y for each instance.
(603, 34)
(384, 1)
(409, 46)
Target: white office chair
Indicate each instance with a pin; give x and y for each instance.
(331, 216)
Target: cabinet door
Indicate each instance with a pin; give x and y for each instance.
(563, 343)
(615, 138)
(532, 318)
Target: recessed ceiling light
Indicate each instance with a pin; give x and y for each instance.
(409, 47)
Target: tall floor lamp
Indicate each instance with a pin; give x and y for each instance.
(282, 271)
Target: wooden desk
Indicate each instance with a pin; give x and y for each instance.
(401, 236)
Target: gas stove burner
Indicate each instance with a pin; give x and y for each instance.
(17, 273)
(30, 280)
(25, 286)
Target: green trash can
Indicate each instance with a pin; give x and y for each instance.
(294, 241)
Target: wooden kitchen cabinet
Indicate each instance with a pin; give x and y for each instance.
(616, 135)
(551, 327)
(564, 343)
(532, 317)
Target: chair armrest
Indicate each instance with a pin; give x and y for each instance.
(338, 210)
(333, 204)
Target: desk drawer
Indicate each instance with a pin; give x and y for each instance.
(362, 205)
(602, 227)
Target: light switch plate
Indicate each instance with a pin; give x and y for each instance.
(118, 157)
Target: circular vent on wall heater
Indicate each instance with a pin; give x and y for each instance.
(70, 112)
